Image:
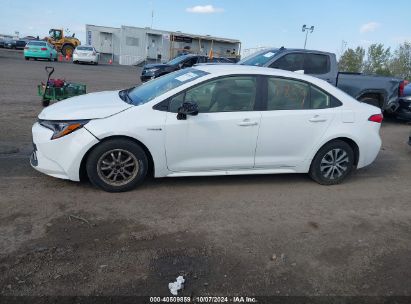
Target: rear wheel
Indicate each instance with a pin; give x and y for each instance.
(332, 163)
(117, 165)
(27, 58)
(371, 101)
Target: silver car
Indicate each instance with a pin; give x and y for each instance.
(85, 53)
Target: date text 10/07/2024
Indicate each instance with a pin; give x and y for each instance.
(203, 300)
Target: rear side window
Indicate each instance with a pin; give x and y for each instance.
(285, 94)
(289, 94)
(290, 62)
(316, 64)
(37, 43)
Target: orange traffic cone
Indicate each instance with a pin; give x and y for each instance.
(60, 57)
(110, 61)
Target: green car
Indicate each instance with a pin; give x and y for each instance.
(40, 49)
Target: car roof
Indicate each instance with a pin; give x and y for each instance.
(238, 69)
(288, 50)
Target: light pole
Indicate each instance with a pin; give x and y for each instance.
(307, 30)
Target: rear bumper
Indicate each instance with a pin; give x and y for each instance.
(404, 109)
(45, 55)
(77, 57)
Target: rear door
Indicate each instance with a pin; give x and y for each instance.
(297, 116)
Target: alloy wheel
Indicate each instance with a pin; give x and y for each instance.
(117, 167)
(334, 164)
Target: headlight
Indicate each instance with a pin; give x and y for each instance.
(152, 70)
(62, 128)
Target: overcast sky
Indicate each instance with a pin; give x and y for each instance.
(256, 23)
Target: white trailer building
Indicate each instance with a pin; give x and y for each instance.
(130, 45)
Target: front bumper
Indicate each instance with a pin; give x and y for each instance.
(60, 157)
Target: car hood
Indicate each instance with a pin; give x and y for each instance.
(89, 106)
(156, 66)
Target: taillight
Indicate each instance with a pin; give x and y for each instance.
(401, 88)
(376, 118)
(44, 49)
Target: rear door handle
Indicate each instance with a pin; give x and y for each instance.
(247, 123)
(318, 118)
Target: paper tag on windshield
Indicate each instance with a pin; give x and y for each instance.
(269, 54)
(186, 77)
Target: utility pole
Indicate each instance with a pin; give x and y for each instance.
(307, 29)
(152, 14)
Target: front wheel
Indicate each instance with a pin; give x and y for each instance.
(117, 165)
(332, 163)
(67, 50)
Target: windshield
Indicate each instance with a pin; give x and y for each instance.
(156, 87)
(37, 43)
(84, 48)
(177, 60)
(259, 59)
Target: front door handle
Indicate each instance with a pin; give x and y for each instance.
(318, 118)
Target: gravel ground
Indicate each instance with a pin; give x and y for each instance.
(236, 235)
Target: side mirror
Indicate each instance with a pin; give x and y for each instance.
(187, 108)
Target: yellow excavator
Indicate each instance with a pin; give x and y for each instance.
(65, 45)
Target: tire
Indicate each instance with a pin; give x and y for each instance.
(106, 165)
(55, 59)
(67, 49)
(26, 58)
(325, 170)
(371, 101)
(45, 102)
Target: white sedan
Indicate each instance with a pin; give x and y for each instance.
(85, 53)
(208, 120)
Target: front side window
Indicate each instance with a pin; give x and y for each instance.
(228, 94)
(285, 94)
(290, 62)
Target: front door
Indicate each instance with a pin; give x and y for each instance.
(223, 135)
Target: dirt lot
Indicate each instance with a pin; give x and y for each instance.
(238, 235)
